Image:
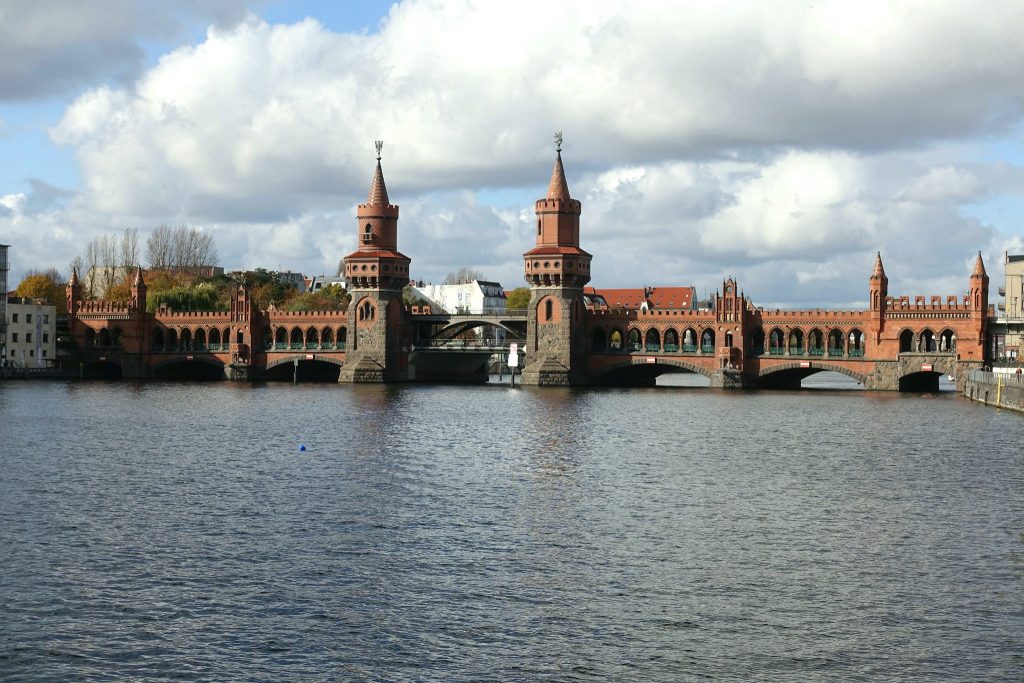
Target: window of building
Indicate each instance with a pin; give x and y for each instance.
(46, 337)
(12, 353)
(14, 317)
(46, 319)
(32, 353)
(44, 353)
(28, 337)
(28, 317)
(14, 337)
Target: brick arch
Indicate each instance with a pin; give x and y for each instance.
(301, 358)
(197, 359)
(818, 367)
(621, 365)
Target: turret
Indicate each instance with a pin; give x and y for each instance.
(878, 286)
(138, 291)
(979, 287)
(74, 292)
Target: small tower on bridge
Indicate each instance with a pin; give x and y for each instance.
(878, 290)
(139, 291)
(74, 292)
(557, 269)
(376, 272)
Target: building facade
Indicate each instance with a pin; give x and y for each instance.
(31, 333)
(1007, 329)
(475, 297)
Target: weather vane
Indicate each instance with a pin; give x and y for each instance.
(379, 144)
(558, 142)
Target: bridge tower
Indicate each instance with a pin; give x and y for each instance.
(878, 290)
(979, 303)
(556, 269)
(377, 272)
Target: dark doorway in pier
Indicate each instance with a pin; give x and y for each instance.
(920, 382)
(101, 370)
(307, 371)
(189, 371)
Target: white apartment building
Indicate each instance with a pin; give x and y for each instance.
(476, 296)
(31, 333)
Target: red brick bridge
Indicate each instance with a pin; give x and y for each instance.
(569, 337)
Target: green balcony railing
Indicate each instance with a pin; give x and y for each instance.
(652, 348)
(296, 345)
(707, 348)
(796, 350)
(776, 351)
(635, 346)
(835, 352)
(856, 353)
(280, 346)
(671, 348)
(340, 346)
(816, 351)
(689, 348)
(311, 345)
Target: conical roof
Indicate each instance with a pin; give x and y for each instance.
(979, 266)
(74, 277)
(138, 277)
(378, 190)
(879, 270)
(558, 189)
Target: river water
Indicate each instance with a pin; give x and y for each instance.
(169, 531)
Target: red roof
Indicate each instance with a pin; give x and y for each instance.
(656, 297)
(554, 251)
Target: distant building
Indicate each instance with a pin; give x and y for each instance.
(3, 300)
(477, 296)
(31, 333)
(297, 280)
(1007, 332)
(318, 282)
(642, 298)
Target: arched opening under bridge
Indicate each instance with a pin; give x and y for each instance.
(664, 372)
(820, 377)
(923, 382)
(307, 371)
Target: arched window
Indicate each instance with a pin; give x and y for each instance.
(186, 340)
(296, 338)
(757, 343)
(855, 349)
(634, 340)
(835, 343)
(214, 339)
(538, 226)
(615, 340)
(652, 340)
(689, 340)
(597, 340)
(671, 341)
(158, 339)
(200, 340)
(728, 339)
(327, 338)
(906, 341)
(368, 234)
(172, 340)
(947, 341)
(816, 343)
(268, 339)
(342, 337)
(312, 338)
(103, 338)
(281, 338)
(226, 338)
(90, 337)
(549, 310)
(927, 342)
(776, 342)
(796, 343)
(707, 341)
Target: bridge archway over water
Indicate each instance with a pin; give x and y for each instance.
(629, 373)
(315, 370)
(197, 369)
(790, 375)
(921, 381)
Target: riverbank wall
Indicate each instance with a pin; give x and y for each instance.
(1002, 390)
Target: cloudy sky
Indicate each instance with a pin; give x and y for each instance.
(780, 142)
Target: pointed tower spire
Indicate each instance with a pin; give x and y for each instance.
(979, 266)
(138, 277)
(378, 190)
(558, 188)
(879, 270)
(74, 277)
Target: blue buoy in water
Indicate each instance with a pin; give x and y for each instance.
(302, 447)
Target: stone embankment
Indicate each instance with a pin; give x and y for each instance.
(996, 389)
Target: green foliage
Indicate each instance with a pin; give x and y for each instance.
(412, 297)
(329, 298)
(46, 286)
(203, 296)
(518, 298)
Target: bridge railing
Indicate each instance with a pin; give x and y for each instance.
(484, 313)
(460, 344)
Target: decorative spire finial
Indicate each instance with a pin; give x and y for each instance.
(379, 144)
(558, 141)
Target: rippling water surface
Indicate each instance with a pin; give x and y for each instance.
(175, 531)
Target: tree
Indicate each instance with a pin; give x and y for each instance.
(518, 298)
(181, 248)
(46, 285)
(330, 298)
(463, 274)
